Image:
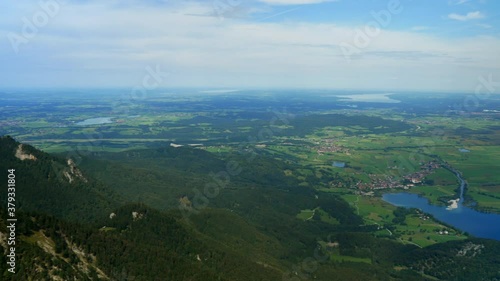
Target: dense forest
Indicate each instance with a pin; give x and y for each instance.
(151, 215)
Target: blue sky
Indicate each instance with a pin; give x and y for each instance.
(417, 45)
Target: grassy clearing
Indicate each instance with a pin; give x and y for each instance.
(415, 230)
(479, 166)
(434, 193)
(325, 217)
(488, 201)
(443, 177)
(480, 169)
(425, 232)
(309, 214)
(305, 215)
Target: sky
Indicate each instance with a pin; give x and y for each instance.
(387, 45)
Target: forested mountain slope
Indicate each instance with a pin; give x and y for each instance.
(74, 223)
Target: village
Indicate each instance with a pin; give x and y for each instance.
(330, 146)
(406, 182)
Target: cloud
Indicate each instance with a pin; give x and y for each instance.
(420, 28)
(483, 25)
(469, 16)
(279, 13)
(294, 2)
(458, 2)
(95, 43)
(406, 55)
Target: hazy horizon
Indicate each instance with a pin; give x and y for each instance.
(234, 90)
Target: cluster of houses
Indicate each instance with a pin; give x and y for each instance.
(410, 180)
(424, 217)
(380, 183)
(10, 123)
(329, 146)
(425, 170)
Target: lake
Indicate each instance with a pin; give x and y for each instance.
(464, 218)
(95, 121)
(382, 98)
(338, 164)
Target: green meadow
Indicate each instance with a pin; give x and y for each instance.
(414, 229)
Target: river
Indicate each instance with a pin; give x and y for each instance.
(463, 183)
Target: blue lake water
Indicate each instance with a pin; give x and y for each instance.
(381, 98)
(464, 218)
(338, 164)
(95, 121)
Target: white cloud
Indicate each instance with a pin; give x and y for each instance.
(469, 16)
(483, 25)
(420, 28)
(294, 2)
(458, 2)
(98, 44)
